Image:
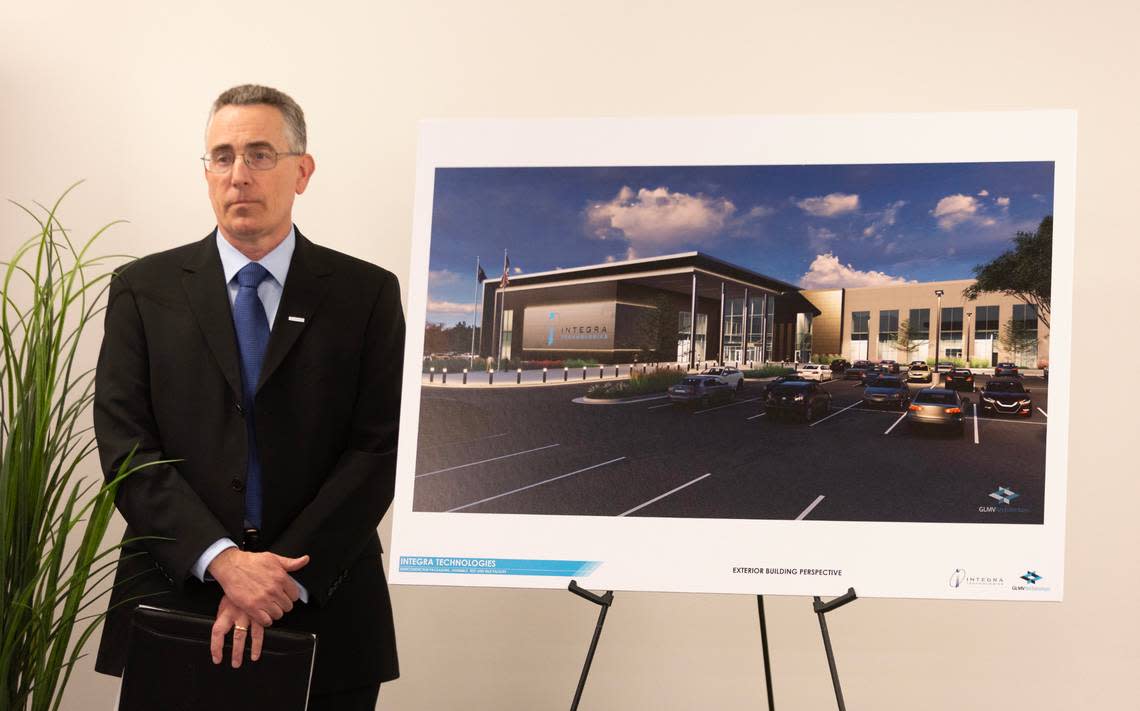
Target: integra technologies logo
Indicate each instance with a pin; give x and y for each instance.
(1004, 496)
(959, 579)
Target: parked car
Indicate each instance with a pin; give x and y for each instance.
(1006, 396)
(701, 389)
(839, 365)
(806, 399)
(959, 379)
(814, 371)
(936, 407)
(888, 390)
(889, 366)
(730, 376)
(1007, 370)
(943, 367)
(919, 372)
(789, 378)
(857, 370)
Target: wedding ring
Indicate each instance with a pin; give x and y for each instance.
(238, 628)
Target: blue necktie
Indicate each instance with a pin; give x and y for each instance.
(252, 329)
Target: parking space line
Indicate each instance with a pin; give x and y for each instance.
(656, 407)
(1014, 422)
(731, 404)
(667, 493)
(1043, 412)
(836, 413)
(896, 422)
(531, 486)
(484, 461)
(755, 416)
(811, 506)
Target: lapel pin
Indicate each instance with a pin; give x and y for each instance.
(296, 319)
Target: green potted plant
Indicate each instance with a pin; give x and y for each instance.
(52, 519)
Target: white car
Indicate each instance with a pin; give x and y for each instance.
(728, 376)
(814, 371)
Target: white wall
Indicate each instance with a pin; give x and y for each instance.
(117, 93)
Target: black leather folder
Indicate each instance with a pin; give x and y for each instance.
(169, 667)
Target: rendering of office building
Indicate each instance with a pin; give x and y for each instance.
(906, 322)
(642, 311)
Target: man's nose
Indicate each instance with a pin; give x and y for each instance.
(240, 173)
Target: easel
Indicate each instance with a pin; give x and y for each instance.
(818, 606)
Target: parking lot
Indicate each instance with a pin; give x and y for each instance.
(534, 450)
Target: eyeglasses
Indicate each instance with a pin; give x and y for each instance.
(255, 158)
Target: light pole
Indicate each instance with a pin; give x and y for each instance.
(938, 331)
(969, 320)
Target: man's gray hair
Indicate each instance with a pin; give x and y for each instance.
(253, 94)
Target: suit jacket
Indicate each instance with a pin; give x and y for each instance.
(327, 406)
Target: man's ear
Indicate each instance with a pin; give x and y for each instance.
(305, 168)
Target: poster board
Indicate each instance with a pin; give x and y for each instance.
(513, 480)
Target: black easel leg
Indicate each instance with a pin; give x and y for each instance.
(821, 608)
(604, 602)
(831, 661)
(764, 647)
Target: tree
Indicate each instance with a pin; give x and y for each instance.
(909, 338)
(1018, 338)
(1024, 271)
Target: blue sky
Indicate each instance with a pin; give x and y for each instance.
(816, 226)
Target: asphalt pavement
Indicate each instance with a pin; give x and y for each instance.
(533, 450)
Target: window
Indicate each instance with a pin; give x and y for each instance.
(987, 322)
(860, 325)
(768, 332)
(508, 326)
(951, 332)
(803, 338)
(733, 328)
(888, 326)
(1022, 341)
(919, 324)
(1025, 316)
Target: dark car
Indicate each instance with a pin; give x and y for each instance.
(789, 378)
(889, 366)
(701, 389)
(1006, 396)
(807, 399)
(936, 407)
(919, 372)
(887, 390)
(1006, 370)
(959, 379)
(839, 365)
(857, 370)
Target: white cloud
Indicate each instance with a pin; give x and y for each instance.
(758, 212)
(450, 307)
(953, 210)
(885, 219)
(442, 277)
(829, 205)
(1002, 201)
(983, 192)
(652, 220)
(826, 272)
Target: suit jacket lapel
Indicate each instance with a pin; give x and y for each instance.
(205, 286)
(305, 287)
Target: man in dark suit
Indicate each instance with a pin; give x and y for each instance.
(269, 369)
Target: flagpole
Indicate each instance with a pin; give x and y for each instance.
(475, 319)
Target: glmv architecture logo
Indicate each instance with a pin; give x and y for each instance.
(1004, 496)
(1032, 580)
